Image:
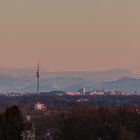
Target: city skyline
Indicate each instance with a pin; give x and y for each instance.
(70, 35)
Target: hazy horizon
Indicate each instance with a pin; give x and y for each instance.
(31, 71)
(70, 35)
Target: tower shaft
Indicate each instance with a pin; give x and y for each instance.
(38, 78)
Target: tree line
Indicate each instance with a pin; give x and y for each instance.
(82, 122)
(77, 122)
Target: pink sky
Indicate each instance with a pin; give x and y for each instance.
(70, 35)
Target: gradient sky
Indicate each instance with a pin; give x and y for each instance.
(70, 34)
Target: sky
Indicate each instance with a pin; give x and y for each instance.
(70, 35)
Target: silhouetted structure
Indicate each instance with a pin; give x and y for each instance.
(38, 78)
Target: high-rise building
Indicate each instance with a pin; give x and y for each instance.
(82, 91)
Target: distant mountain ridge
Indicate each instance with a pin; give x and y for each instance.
(25, 81)
(126, 83)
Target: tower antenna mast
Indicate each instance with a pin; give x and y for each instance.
(38, 78)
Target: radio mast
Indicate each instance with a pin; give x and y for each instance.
(38, 78)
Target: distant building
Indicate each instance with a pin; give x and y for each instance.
(40, 106)
(123, 93)
(82, 91)
(97, 93)
(73, 93)
(113, 92)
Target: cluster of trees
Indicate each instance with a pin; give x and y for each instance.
(77, 122)
(87, 123)
(11, 124)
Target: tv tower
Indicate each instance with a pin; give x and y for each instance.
(38, 78)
